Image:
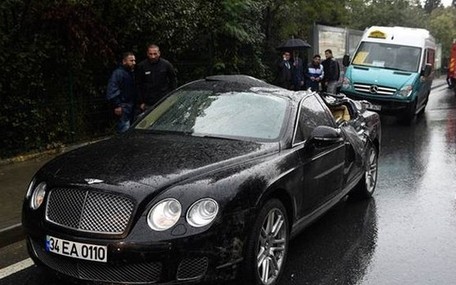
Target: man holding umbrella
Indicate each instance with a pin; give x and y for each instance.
(297, 72)
(284, 73)
(291, 73)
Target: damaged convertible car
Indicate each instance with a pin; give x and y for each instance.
(209, 185)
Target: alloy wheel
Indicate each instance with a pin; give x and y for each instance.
(271, 246)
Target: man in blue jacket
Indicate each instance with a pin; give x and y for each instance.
(121, 92)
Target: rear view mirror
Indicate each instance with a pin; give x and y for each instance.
(427, 70)
(346, 60)
(325, 135)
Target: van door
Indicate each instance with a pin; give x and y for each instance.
(426, 79)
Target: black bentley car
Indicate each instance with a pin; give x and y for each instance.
(209, 185)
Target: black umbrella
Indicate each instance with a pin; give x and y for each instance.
(293, 44)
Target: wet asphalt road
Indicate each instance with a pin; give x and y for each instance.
(405, 235)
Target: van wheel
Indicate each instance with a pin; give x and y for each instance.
(268, 245)
(409, 114)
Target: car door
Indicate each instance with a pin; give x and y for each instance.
(322, 164)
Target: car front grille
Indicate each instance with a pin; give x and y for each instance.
(131, 273)
(192, 268)
(89, 211)
(374, 89)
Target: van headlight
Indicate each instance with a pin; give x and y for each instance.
(37, 197)
(164, 214)
(406, 91)
(202, 212)
(346, 83)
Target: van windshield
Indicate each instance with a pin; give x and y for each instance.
(397, 57)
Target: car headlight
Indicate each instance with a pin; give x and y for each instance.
(38, 196)
(346, 83)
(406, 90)
(202, 212)
(164, 214)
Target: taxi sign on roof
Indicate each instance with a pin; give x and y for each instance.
(377, 34)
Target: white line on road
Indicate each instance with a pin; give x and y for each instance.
(7, 271)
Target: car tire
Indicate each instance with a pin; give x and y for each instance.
(366, 186)
(268, 245)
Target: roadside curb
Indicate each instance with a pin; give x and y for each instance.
(11, 234)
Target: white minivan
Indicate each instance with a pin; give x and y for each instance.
(392, 68)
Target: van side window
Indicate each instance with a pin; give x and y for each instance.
(430, 57)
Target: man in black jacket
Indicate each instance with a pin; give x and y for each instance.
(155, 78)
(332, 73)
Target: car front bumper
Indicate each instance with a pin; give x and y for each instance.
(214, 255)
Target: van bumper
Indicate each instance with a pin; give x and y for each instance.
(386, 105)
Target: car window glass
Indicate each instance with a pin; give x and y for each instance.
(311, 115)
(225, 114)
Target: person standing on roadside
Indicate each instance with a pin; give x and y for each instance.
(284, 72)
(121, 92)
(297, 72)
(332, 73)
(314, 73)
(155, 78)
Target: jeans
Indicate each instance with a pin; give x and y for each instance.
(125, 120)
(332, 87)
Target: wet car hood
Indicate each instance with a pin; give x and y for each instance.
(150, 159)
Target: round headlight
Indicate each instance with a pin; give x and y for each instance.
(164, 214)
(202, 212)
(38, 196)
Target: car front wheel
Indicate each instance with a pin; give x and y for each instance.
(268, 245)
(366, 186)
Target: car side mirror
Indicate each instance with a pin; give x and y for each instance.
(346, 60)
(324, 135)
(427, 70)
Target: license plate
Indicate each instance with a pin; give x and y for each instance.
(76, 249)
(375, 107)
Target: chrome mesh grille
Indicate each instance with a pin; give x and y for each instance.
(135, 273)
(89, 211)
(192, 268)
(374, 89)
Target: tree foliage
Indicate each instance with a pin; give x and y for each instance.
(56, 55)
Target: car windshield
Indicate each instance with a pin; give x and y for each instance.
(396, 57)
(240, 115)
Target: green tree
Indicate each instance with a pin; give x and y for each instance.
(430, 5)
(386, 13)
(442, 25)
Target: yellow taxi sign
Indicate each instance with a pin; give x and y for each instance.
(377, 34)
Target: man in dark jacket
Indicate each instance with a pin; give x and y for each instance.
(155, 78)
(284, 73)
(121, 92)
(332, 73)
